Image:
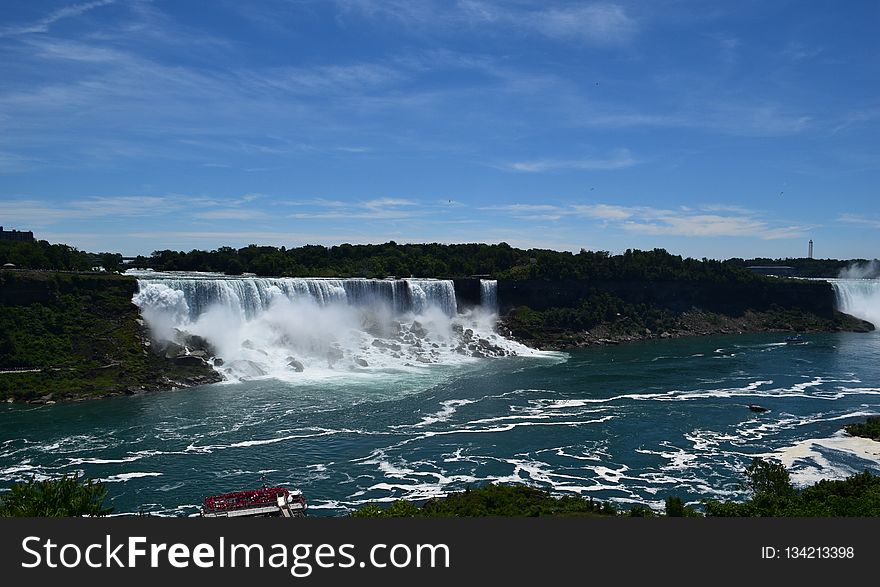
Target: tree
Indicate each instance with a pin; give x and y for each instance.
(675, 508)
(765, 477)
(70, 496)
(111, 261)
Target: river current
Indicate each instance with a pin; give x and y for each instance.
(632, 423)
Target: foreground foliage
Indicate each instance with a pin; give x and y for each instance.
(70, 496)
(492, 500)
(775, 496)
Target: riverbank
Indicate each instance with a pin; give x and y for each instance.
(75, 336)
(547, 330)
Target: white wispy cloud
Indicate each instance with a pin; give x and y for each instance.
(376, 209)
(43, 25)
(739, 118)
(124, 206)
(232, 214)
(39, 212)
(872, 222)
(35, 212)
(797, 51)
(619, 159)
(705, 221)
(386, 203)
(604, 211)
(598, 23)
(13, 162)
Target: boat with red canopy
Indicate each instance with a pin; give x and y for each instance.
(263, 502)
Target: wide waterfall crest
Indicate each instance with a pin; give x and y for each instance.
(859, 298)
(289, 328)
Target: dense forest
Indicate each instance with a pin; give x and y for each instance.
(44, 255)
(458, 260)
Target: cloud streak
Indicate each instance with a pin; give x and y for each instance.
(376, 209)
(708, 222)
(620, 159)
(859, 220)
(600, 24)
(43, 25)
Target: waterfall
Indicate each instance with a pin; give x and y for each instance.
(425, 293)
(249, 296)
(489, 294)
(251, 327)
(859, 298)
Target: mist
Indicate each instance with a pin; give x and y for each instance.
(869, 270)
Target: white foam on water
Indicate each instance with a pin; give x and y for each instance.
(266, 441)
(123, 477)
(445, 413)
(95, 461)
(809, 462)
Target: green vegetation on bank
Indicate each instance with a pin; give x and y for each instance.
(67, 336)
(58, 257)
(422, 260)
(773, 495)
(602, 315)
(868, 429)
(69, 496)
(492, 500)
(803, 267)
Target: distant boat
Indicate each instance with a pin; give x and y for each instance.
(757, 408)
(796, 339)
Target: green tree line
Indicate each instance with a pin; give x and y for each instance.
(57, 257)
(421, 260)
(440, 260)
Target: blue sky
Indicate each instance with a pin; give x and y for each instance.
(713, 129)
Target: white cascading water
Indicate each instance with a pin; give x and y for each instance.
(489, 294)
(290, 328)
(859, 298)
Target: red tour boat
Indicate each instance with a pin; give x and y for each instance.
(263, 502)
